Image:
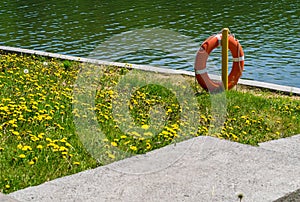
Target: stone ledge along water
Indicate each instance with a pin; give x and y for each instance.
(258, 84)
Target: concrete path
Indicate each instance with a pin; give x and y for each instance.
(200, 169)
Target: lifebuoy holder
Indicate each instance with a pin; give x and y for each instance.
(201, 59)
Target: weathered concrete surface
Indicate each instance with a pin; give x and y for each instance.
(209, 170)
(289, 146)
(5, 198)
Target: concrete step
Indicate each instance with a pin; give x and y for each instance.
(199, 169)
(289, 146)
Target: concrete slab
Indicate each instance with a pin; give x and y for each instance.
(5, 198)
(289, 146)
(209, 169)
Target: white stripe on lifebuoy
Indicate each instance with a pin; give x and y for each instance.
(238, 59)
(219, 38)
(201, 71)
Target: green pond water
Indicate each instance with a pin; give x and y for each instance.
(160, 33)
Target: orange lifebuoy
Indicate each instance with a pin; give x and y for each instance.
(202, 55)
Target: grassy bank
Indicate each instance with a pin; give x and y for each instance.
(39, 137)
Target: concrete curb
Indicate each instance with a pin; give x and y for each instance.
(258, 84)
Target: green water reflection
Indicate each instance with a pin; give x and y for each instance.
(268, 32)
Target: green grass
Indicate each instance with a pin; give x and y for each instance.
(57, 119)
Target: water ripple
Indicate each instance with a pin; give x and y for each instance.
(268, 34)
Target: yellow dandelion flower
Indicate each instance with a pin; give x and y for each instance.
(48, 118)
(12, 121)
(14, 125)
(22, 156)
(148, 145)
(63, 140)
(31, 162)
(145, 127)
(133, 148)
(127, 142)
(48, 139)
(234, 136)
(62, 148)
(26, 148)
(76, 163)
(59, 126)
(203, 117)
(34, 138)
(39, 147)
(165, 132)
(175, 126)
(111, 156)
(68, 144)
(169, 110)
(7, 186)
(114, 144)
(15, 133)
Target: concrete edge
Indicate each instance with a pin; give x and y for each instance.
(291, 197)
(258, 84)
(6, 198)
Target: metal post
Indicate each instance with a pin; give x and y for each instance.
(225, 57)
